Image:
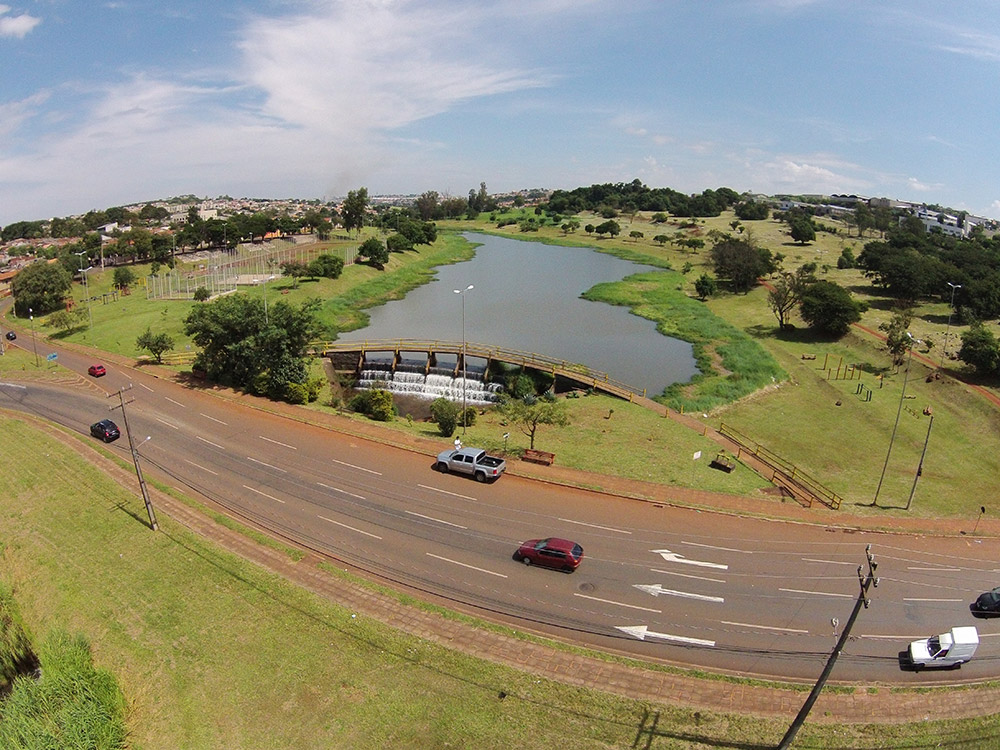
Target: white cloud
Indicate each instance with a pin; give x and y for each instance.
(16, 26)
(922, 187)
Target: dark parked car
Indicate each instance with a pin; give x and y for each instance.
(96, 371)
(553, 552)
(11, 336)
(106, 430)
(988, 603)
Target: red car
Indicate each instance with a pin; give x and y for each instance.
(96, 371)
(553, 552)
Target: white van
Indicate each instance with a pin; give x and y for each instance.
(950, 649)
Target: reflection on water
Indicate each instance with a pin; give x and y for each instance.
(526, 296)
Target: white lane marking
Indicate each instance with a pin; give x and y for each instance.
(674, 557)
(656, 590)
(338, 523)
(687, 575)
(207, 416)
(712, 546)
(352, 466)
(436, 520)
(163, 421)
(270, 466)
(14, 385)
(466, 565)
(816, 593)
(595, 526)
(272, 497)
(445, 492)
(283, 445)
(829, 562)
(143, 385)
(344, 492)
(619, 604)
(763, 627)
(214, 445)
(642, 633)
(915, 637)
(935, 569)
(199, 466)
(177, 403)
(905, 599)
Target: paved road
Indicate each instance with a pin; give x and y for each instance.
(744, 595)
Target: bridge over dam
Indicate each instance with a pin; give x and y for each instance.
(357, 356)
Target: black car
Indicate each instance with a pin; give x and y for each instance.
(11, 336)
(988, 603)
(106, 430)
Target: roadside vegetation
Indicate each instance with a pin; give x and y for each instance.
(211, 651)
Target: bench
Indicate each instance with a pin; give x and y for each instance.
(538, 457)
(808, 356)
(723, 462)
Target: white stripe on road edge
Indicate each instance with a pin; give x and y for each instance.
(338, 523)
(619, 604)
(762, 627)
(199, 466)
(270, 466)
(215, 445)
(436, 520)
(595, 526)
(343, 492)
(272, 497)
(206, 416)
(453, 494)
(464, 565)
(283, 445)
(352, 466)
(816, 593)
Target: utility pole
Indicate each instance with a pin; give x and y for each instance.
(865, 581)
(135, 455)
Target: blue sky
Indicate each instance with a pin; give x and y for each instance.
(116, 102)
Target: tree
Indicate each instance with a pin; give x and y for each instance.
(398, 243)
(897, 338)
(124, 277)
(741, 261)
(705, 286)
(752, 210)
(155, 343)
(445, 414)
(980, 349)
(802, 230)
(68, 319)
(829, 308)
(787, 292)
(201, 294)
(661, 239)
(636, 235)
(528, 414)
(295, 270)
(375, 252)
(426, 205)
(327, 266)
(353, 211)
(608, 227)
(41, 287)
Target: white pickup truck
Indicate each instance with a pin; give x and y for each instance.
(951, 649)
(472, 461)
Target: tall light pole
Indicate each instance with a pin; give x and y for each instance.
(902, 395)
(134, 450)
(947, 331)
(464, 370)
(34, 344)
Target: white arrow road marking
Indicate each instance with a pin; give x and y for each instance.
(642, 633)
(674, 557)
(656, 589)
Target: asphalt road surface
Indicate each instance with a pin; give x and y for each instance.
(754, 597)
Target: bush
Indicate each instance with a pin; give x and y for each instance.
(376, 404)
(297, 393)
(469, 417)
(201, 294)
(445, 414)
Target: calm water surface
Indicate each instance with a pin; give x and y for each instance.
(527, 297)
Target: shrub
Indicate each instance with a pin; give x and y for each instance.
(445, 414)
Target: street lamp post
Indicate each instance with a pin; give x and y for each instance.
(34, 344)
(464, 370)
(947, 331)
(902, 395)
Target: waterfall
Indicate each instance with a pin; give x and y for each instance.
(440, 384)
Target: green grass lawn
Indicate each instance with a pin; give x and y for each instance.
(214, 652)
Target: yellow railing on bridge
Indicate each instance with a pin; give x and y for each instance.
(569, 370)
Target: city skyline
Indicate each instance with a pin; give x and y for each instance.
(128, 101)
